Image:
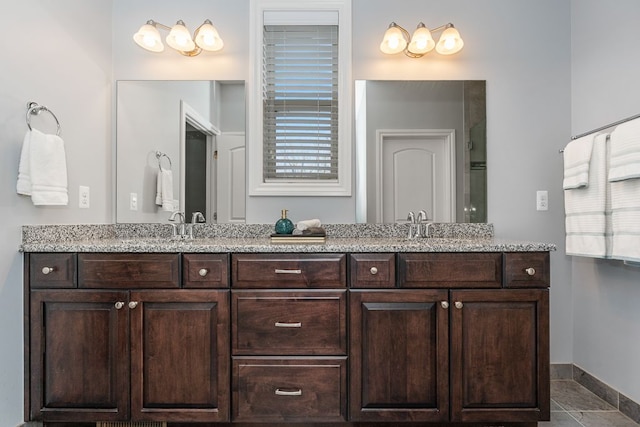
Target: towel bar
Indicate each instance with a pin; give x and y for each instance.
(33, 109)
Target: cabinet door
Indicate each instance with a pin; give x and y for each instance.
(79, 356)
(399, 359)
(500, 355)
(180, 355)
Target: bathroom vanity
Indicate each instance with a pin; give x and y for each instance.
(366, 331)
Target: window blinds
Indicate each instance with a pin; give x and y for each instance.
(300, 97)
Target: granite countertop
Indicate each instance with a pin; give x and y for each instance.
(241, 238)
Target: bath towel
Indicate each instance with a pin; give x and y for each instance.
(164, 191)
(625, 218)
(42, 173)
(577, 155)
(587, 209)
(625, 151)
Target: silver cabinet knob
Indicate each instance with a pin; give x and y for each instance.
(133, 304)
(119, 305)
(444, 304)
(530, 271)
(459, 304)
(47, 270)
(203, 272)
(373, 271)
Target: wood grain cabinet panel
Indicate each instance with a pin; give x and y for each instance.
(289, 270)
(205, 270)
(127, 271)
(52, 270)
(289, 389)
(450, 270)
(372, 271)
(527, 270)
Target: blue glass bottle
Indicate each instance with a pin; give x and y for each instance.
(284, 224)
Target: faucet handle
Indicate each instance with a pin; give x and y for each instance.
(197, 217)
(422, 216)
(411, 217)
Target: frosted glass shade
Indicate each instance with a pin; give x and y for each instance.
(393, 40)
(421, 41)
(450, 42)
(207, 37)
(148, 37)
(180, 39)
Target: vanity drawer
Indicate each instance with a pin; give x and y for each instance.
(289, 389)
(52, 270)
(128, 270)
(527, 270)
(290, 323)
(288, 270)
(205, 270)
(450, 270)
(373, 270)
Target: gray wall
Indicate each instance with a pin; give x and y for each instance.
(606, 88)
(71, 67)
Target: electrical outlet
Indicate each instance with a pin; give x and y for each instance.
(133, 201)
(542, 200)
(83, 197)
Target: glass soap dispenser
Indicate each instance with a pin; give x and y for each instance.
(284, 224)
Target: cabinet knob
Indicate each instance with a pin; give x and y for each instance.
(444, 304)
(459, 304)
(47, 270)
(373, 271)
(203, 272)
(119, 305)
(133, 304)
(530, 271)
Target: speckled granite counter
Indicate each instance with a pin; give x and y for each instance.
(247, 238)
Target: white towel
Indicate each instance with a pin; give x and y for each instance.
(308, 223)
(625, 151)
(625, 217)
(164, 190)
(42, 173)
(587, 209)
(577, 155)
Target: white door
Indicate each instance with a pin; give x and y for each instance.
(416, 170)
(230, 180)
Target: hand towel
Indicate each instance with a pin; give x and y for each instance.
(308, 223)
(625, 151)
(577, 155)
(164, 190)
(587, 209)
(43, 169)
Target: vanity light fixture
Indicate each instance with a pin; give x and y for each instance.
(205, 37)
(397, 39)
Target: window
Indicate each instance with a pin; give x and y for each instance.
(299, 117)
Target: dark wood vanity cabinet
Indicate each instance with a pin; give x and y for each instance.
(129, 353)
(288, 338)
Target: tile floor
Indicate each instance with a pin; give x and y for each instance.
(572, 405)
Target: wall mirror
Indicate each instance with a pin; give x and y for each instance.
(180, 145)
(421, 145)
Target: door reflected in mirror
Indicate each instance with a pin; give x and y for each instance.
(200, 126)
(421, 145)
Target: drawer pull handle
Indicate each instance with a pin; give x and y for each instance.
(280, 392)
(373, 271)
(288, 325)
(530, 271)
(119, 305)
(459, 304)
(133, 304)
(444, 304)
(203, 272)
(279, 271)
(47, 270)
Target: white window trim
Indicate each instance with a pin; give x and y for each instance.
(257, 186)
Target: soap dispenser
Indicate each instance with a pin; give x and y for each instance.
(284, 224)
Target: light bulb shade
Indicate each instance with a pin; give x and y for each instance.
(180, 39)
(207, 37)
(450, 42)
(148, 37)
(421, 41)
(393, 40)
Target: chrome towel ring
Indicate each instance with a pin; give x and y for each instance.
(33, 109)
(159, 156)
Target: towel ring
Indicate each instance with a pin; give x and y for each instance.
(33, 109)
(159, 156)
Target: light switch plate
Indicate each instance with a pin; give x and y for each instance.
(83, 197)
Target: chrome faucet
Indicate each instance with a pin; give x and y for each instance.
(411, 217)
(196, 217)
(177, 222)
(423, 224)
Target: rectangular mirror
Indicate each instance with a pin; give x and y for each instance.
(180, 145)
(421, 145)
